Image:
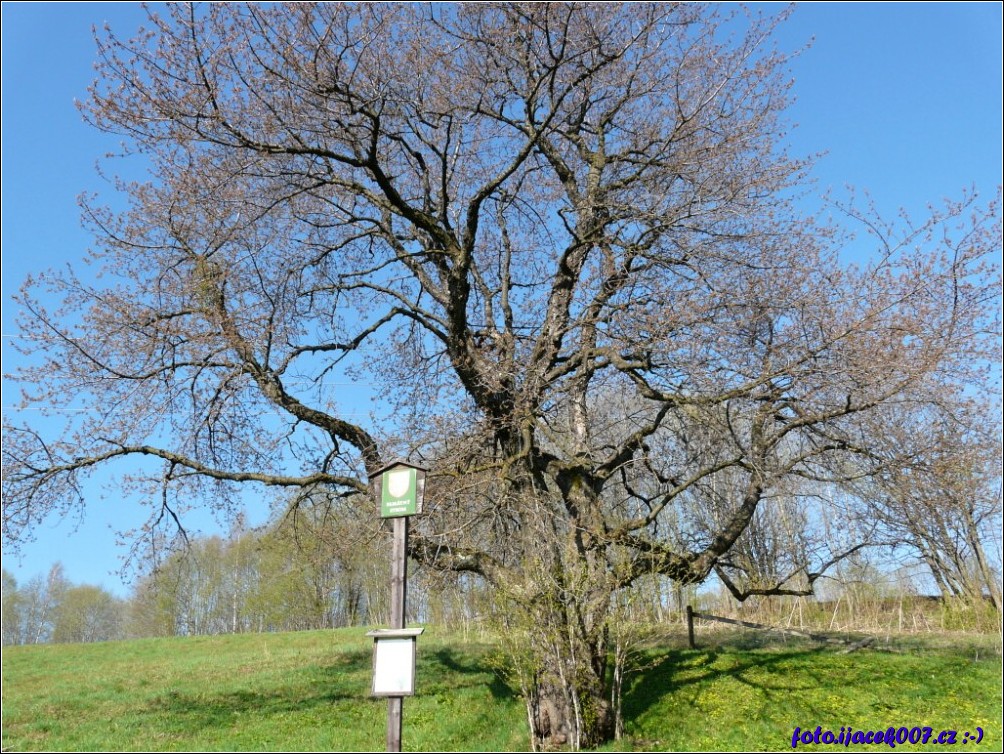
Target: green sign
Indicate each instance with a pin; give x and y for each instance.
(399, 492)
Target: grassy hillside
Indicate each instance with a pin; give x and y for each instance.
(310, 691)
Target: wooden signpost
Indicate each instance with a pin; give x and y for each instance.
(400, 489)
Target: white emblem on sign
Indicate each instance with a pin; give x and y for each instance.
(398, 482)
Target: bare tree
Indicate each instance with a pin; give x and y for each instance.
(497, 215)
(13, 606)
(30, 610)
(945, 503)
(795, 537)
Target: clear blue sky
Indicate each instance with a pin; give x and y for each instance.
(904, 98)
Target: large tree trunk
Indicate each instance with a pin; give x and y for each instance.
(567, 705)
(567, 690)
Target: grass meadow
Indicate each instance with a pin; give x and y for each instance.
(309, 691)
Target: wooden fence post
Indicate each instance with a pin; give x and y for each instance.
(690, 627)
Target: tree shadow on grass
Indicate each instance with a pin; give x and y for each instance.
(675, 672)
(344, 679)
(473, 671)
(342, 683)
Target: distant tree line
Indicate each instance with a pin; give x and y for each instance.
(310, 569)
(290, 577)
(52, 609)
(322, 560)
(299, 573)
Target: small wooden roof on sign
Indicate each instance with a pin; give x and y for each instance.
(398, 462)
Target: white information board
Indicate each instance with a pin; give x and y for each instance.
(394, 667)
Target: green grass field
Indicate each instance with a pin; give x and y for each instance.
(310, 691)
